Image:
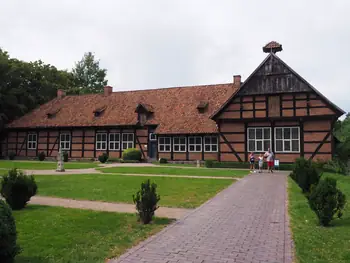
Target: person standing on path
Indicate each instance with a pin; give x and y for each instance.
(261, 162)
(252, 162)
(269, 158)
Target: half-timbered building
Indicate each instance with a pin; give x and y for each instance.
(273, 108)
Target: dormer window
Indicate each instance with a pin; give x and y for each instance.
(144, 112)
(142, 118)
(202, 106)
(52, 114)
(98, 112)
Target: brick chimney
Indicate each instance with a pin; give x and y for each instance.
(60, 93)
(237, 81)
(108, 90)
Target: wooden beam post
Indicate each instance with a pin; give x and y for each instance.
(301, 138)
(83, 144)
(231, 148)
(320, 145)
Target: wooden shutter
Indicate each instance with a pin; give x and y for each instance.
(274, 106)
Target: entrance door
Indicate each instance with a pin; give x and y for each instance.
(152, 150)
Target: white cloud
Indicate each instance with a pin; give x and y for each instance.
(152, 44)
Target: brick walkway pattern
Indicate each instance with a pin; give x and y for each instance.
(245, 223)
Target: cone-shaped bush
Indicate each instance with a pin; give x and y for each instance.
(146, 200)
(327, 200)
(8, 235)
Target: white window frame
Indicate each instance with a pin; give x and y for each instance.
(32, 139)
(290, 140)
(179, 144)
(195, 144)
(100, 141)
(115, 143)
(127, 142)
(152, 137)
(211, 144)
(164, 145)
(65, 142)
(262, 140)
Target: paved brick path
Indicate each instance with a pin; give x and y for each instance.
(168, 212)
(247, 222)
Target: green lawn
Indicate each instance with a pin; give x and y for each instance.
(44, 165)
(61, 235)
(176, 164)
(316, 244)
(174, 192)
(176, 171)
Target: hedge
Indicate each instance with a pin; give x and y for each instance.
(216, 164)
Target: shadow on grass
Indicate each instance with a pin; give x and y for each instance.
(342, 222)
(26, 259)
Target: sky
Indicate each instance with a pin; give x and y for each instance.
(161, 43)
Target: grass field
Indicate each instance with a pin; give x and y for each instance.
(44, 165)
(61, 235)
(176, 171)
(174, 192)
(314, 243)
(176, 164)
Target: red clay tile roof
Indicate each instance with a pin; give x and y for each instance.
(175, 109)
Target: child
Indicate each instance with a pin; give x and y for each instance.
(252, 161)
(261, 162)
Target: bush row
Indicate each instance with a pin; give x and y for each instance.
(217, 164)
(324, 198)
(131, 155)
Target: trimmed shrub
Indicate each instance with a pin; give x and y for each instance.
(335, 166)
(146, 200)
(65, 156)
(17, 188)
(103, 157)
(305, 174)
(8, 235)
(12, 155)
(209, 163)
(163, 160)
(41, 156)
(132, 154)
(327, 200)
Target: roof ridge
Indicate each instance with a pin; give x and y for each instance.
(141, 90)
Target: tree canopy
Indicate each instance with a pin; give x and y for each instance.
(26, 85)
(90, 78)
(342, 133)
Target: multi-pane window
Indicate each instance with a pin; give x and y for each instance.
(101, 141)
(259, 139)
(114, 141)
(32, 141)
(195, 144)
(210, 143)
(179, 144)
(164, 144)
(287, 139)
(65, 141)
(152, 137)
(127, 141)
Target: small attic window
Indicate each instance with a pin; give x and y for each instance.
(52, 114)
(202, 106)
(98, 112)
